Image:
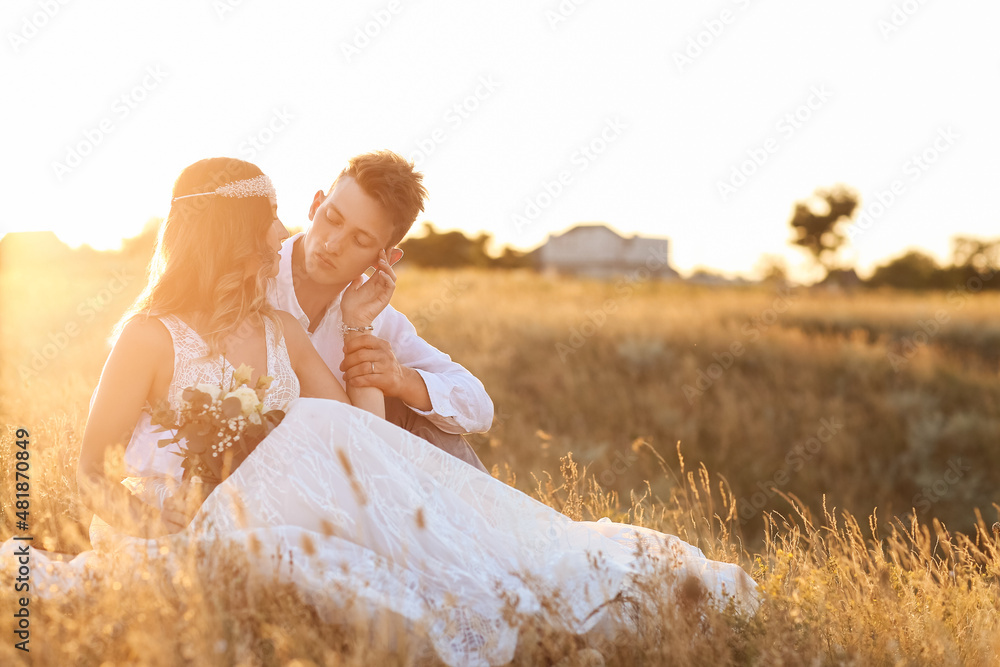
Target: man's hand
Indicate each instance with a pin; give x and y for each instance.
(363, 301)
(370, 362)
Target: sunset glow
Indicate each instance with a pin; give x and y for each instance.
(695, 123)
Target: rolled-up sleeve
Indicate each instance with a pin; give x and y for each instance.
(459, 402)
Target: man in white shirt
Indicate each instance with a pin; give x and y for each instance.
(370, 207)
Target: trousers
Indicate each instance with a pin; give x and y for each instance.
(398, 413)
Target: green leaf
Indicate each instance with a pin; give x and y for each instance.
(273, 417)
(198, 444)
(232, 408)
(253, 434)
(199, 400)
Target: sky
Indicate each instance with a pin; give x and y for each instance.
(701, 122)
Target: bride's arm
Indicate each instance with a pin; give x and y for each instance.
(315, 379)
(125, 384)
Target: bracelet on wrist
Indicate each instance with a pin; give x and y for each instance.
(344, 329)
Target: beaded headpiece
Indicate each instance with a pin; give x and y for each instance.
(258, 186)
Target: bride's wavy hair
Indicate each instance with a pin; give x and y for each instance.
(205, 252)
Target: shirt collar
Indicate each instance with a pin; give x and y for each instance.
(284, 280)
(287, 285)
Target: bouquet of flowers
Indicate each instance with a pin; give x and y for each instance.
(217, 427)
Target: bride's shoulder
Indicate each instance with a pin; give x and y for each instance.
(292, 332)
(145, 334)
(286, 318)
(290, 325)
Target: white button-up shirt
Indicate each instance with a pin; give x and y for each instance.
(459, 402)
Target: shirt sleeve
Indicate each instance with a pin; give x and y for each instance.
(459, 402)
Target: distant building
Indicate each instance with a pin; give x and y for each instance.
(597, 251)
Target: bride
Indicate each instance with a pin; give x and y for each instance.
(357, 504)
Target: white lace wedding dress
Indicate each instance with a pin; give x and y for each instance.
(359, 508)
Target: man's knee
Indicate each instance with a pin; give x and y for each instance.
(454, 444)
(399, 414)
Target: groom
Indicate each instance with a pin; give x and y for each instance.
(370, 207)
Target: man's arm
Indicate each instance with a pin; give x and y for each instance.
(423, 377)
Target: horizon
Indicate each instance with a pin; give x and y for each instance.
(44, 236)
(701, 125)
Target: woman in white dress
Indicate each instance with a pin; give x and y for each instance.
(360, 506)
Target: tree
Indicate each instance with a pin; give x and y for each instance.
(817, 221)
(772, 268)
(514, 259)
(981, 255)
(446, 249)
(975, 260)
(914, 270)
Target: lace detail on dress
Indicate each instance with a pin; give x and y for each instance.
(154, 471)
(384, 518)
(192, 365)
(364, 517)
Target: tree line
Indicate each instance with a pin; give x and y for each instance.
(822, 226)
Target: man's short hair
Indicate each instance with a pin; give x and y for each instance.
(393, 182)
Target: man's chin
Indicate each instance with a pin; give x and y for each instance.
(326, 276)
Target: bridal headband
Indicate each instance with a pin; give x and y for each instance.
(258, 186)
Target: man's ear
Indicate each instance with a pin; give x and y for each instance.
(395, 254)
(318, 199)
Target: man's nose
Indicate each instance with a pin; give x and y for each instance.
(333, 243)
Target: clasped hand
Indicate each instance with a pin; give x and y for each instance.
(370, 362)
(177, 512)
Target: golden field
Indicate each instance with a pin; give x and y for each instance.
(796, 413)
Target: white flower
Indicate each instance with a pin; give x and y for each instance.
(255, 418)
(210, 389)
(242, 375)
(248, 399)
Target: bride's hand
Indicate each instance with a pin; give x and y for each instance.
(362, 303)
(168, 522)
(174, 517)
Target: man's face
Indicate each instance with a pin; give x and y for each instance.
(348, 230)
